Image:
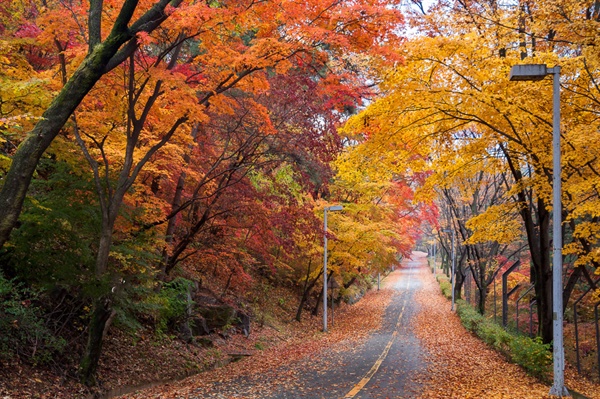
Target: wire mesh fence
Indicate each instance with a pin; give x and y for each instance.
(511, 302)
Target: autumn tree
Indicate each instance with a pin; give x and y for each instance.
(276, 33)
(480, 210)
(103, 54)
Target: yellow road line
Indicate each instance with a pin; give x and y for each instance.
(361, 384)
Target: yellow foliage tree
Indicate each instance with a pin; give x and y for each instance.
(450, 108)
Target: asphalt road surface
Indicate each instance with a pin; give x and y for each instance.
(385, 366)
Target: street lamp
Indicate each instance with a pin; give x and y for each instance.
(534, 72)
(453, 256)
(327, 208)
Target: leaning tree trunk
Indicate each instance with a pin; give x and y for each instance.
(320, 298)
(101, 58)
(315, 310)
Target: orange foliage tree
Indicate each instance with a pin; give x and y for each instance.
(169, 103)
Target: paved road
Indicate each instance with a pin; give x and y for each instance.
(385, 366)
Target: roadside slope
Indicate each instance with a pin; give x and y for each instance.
(463, 366)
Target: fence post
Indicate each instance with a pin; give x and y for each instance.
(531, 304)
(495, 302)
(576, 326)
(505, 293)
(597, 336)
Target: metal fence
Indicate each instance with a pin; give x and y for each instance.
(584, 327)
(513, 305)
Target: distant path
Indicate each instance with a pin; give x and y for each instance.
(385, 366)
(393, 374)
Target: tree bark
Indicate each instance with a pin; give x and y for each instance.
(306, 292)
(543, 274)
(482, 298)
(460, 279)
(320, 298)
(91, 357)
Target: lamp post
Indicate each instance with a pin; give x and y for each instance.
(327, 208)
(453, 257)
(534, 72)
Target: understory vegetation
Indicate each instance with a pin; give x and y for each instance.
(530, 353)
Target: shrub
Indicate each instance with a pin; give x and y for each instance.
(531, 354)
(169, 306)
(22, 328)
(445, 286)
(469, 317)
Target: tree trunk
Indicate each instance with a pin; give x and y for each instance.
(176, 203)
(459, 273)
(543, 274)
(104, 248)
(350, 282)
(315, 310)
(460, 279)
(482, 297)
(101, 309)
(303, 300)
(538, 239)
(320, 299)
(306, 291)
(91, 356)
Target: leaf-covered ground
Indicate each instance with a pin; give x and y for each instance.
(458, 364)
(462, 366)
(353, 324)
(141, 359)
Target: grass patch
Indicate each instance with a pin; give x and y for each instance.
(445, 285)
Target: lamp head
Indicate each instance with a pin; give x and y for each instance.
(528, 72)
